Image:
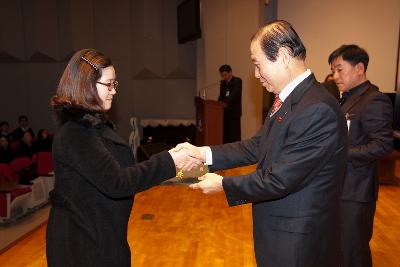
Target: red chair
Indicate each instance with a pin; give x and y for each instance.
(21, 163)
(7, 173)
(14, 145)
(44, 163)
(14, 202)
(24, 168)
(44, 183)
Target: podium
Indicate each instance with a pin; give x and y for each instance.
(209, 122)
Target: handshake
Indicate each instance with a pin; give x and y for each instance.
(188, 157)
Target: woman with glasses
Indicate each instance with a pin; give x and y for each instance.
(96, 174)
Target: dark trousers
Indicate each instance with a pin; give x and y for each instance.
(357, 226)
(232, 129)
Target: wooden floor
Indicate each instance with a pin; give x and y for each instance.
(173, 226)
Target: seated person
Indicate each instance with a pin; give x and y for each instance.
(43, 141)
(5, 130)
(6, 155)
(22, 128)
(26, 147)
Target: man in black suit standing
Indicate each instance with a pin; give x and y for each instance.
(300, 153)
(23, 127)
(230, 92)
(369, 117)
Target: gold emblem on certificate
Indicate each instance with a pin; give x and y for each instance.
(197, 172)
(179, 174)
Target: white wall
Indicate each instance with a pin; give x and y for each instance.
(326, 25)
(227, 26)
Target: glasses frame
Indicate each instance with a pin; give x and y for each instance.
(111, 85)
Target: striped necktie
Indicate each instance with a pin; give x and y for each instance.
(276, 106)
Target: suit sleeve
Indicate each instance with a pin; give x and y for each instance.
(236, 154)
(311, 140)
(97, 165)
(376, 123)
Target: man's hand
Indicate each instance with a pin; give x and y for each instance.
(193, 151)
(183, 160)
(210, 183)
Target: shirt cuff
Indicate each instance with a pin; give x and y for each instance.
(209, 160)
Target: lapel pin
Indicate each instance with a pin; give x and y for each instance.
(280, 119)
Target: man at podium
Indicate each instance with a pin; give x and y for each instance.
(230, 93)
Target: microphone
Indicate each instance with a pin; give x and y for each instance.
(202, 92)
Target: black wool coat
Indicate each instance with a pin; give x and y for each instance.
(96, 179)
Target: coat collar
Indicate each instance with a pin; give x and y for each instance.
(354, 97)
(89, 119)
(277, 119)
(293, 98)
(85, 117)
(299, 91)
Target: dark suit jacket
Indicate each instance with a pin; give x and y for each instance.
(370, 137)
(234, 100)
(295, 191)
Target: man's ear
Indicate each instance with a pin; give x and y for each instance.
(284, 55)
(360, 68)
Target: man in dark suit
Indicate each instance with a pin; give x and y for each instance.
(300, 153)
(23, 127)
(369, 117)
(230, 92)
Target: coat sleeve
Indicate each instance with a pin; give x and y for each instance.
(311, 140)
(86, 154)
(376, 126)
(236, 154)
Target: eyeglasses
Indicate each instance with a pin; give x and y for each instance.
(111, 85)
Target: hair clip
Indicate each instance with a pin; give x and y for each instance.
(90, 63)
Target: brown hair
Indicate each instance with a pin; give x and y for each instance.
(77, 86)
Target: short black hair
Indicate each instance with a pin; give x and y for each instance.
(351, 53)
(279, 34)
(20, 118)
(4, 123)
(226, 68)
